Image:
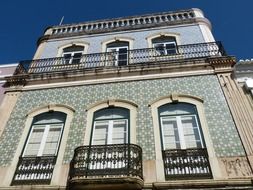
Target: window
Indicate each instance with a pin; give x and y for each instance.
(118, 55)
(40, 150)
(110, 126)
(181, 137)
(72, 54)
(180, 126)
(182, 142)
(45, 134)
(165, 45)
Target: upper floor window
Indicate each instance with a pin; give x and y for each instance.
(72, 54)
(180, 126)
(119, 52)
(165, 45)
(110, 126)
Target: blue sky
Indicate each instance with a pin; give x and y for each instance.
(23, 21)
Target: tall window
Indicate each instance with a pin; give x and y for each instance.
(72, 54)
(180, 126)
(110, 126)
(165, 45)
(38, 159)
(119, 53)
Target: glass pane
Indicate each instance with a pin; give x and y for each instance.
(50, 117)
(119, 134)
(34, 141)
(112, 113)
(170, 133)
(171, 48)
(117, 44)
(100, 133)
(73, 49)
(164, 39)
(32, 149)
(77, 55)
(123, 55)
(160, 48)
(76, 58)
(67, 58)
(191, 131)
(53, 139)
(177, 109)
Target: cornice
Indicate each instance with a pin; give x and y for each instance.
(170, 70)
(182, 17)
(222, 64)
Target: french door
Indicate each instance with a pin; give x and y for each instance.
(118, 55)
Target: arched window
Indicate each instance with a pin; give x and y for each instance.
(118, 55)
(165, 45)
(72, 54)
(41, 149)
(180, 127)
(110, 126)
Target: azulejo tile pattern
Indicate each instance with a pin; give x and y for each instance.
(222, 129)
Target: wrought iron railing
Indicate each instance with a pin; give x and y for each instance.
(118, 160)
(186, 164)
(34, 170)
(115, 59)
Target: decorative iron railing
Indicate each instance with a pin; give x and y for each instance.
(116, 59)
(118, 160)
(186, 164)
(34, 170)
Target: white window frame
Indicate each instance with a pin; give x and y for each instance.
(164, 47)
(91, 109)
(72, 56)
(116, 54)
(43, 140)
(181, 130)
(110, 130)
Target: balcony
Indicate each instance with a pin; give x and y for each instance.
(34, 170)
(186, 164)
(148, 56)
(111, 167)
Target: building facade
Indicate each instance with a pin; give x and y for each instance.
(127, 103)
(6, 70)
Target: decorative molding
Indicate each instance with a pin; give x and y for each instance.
(123, 22)
(222, 64)
(174, 97)
(111, 102)
(49, 107)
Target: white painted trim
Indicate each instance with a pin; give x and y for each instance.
(110, 127)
